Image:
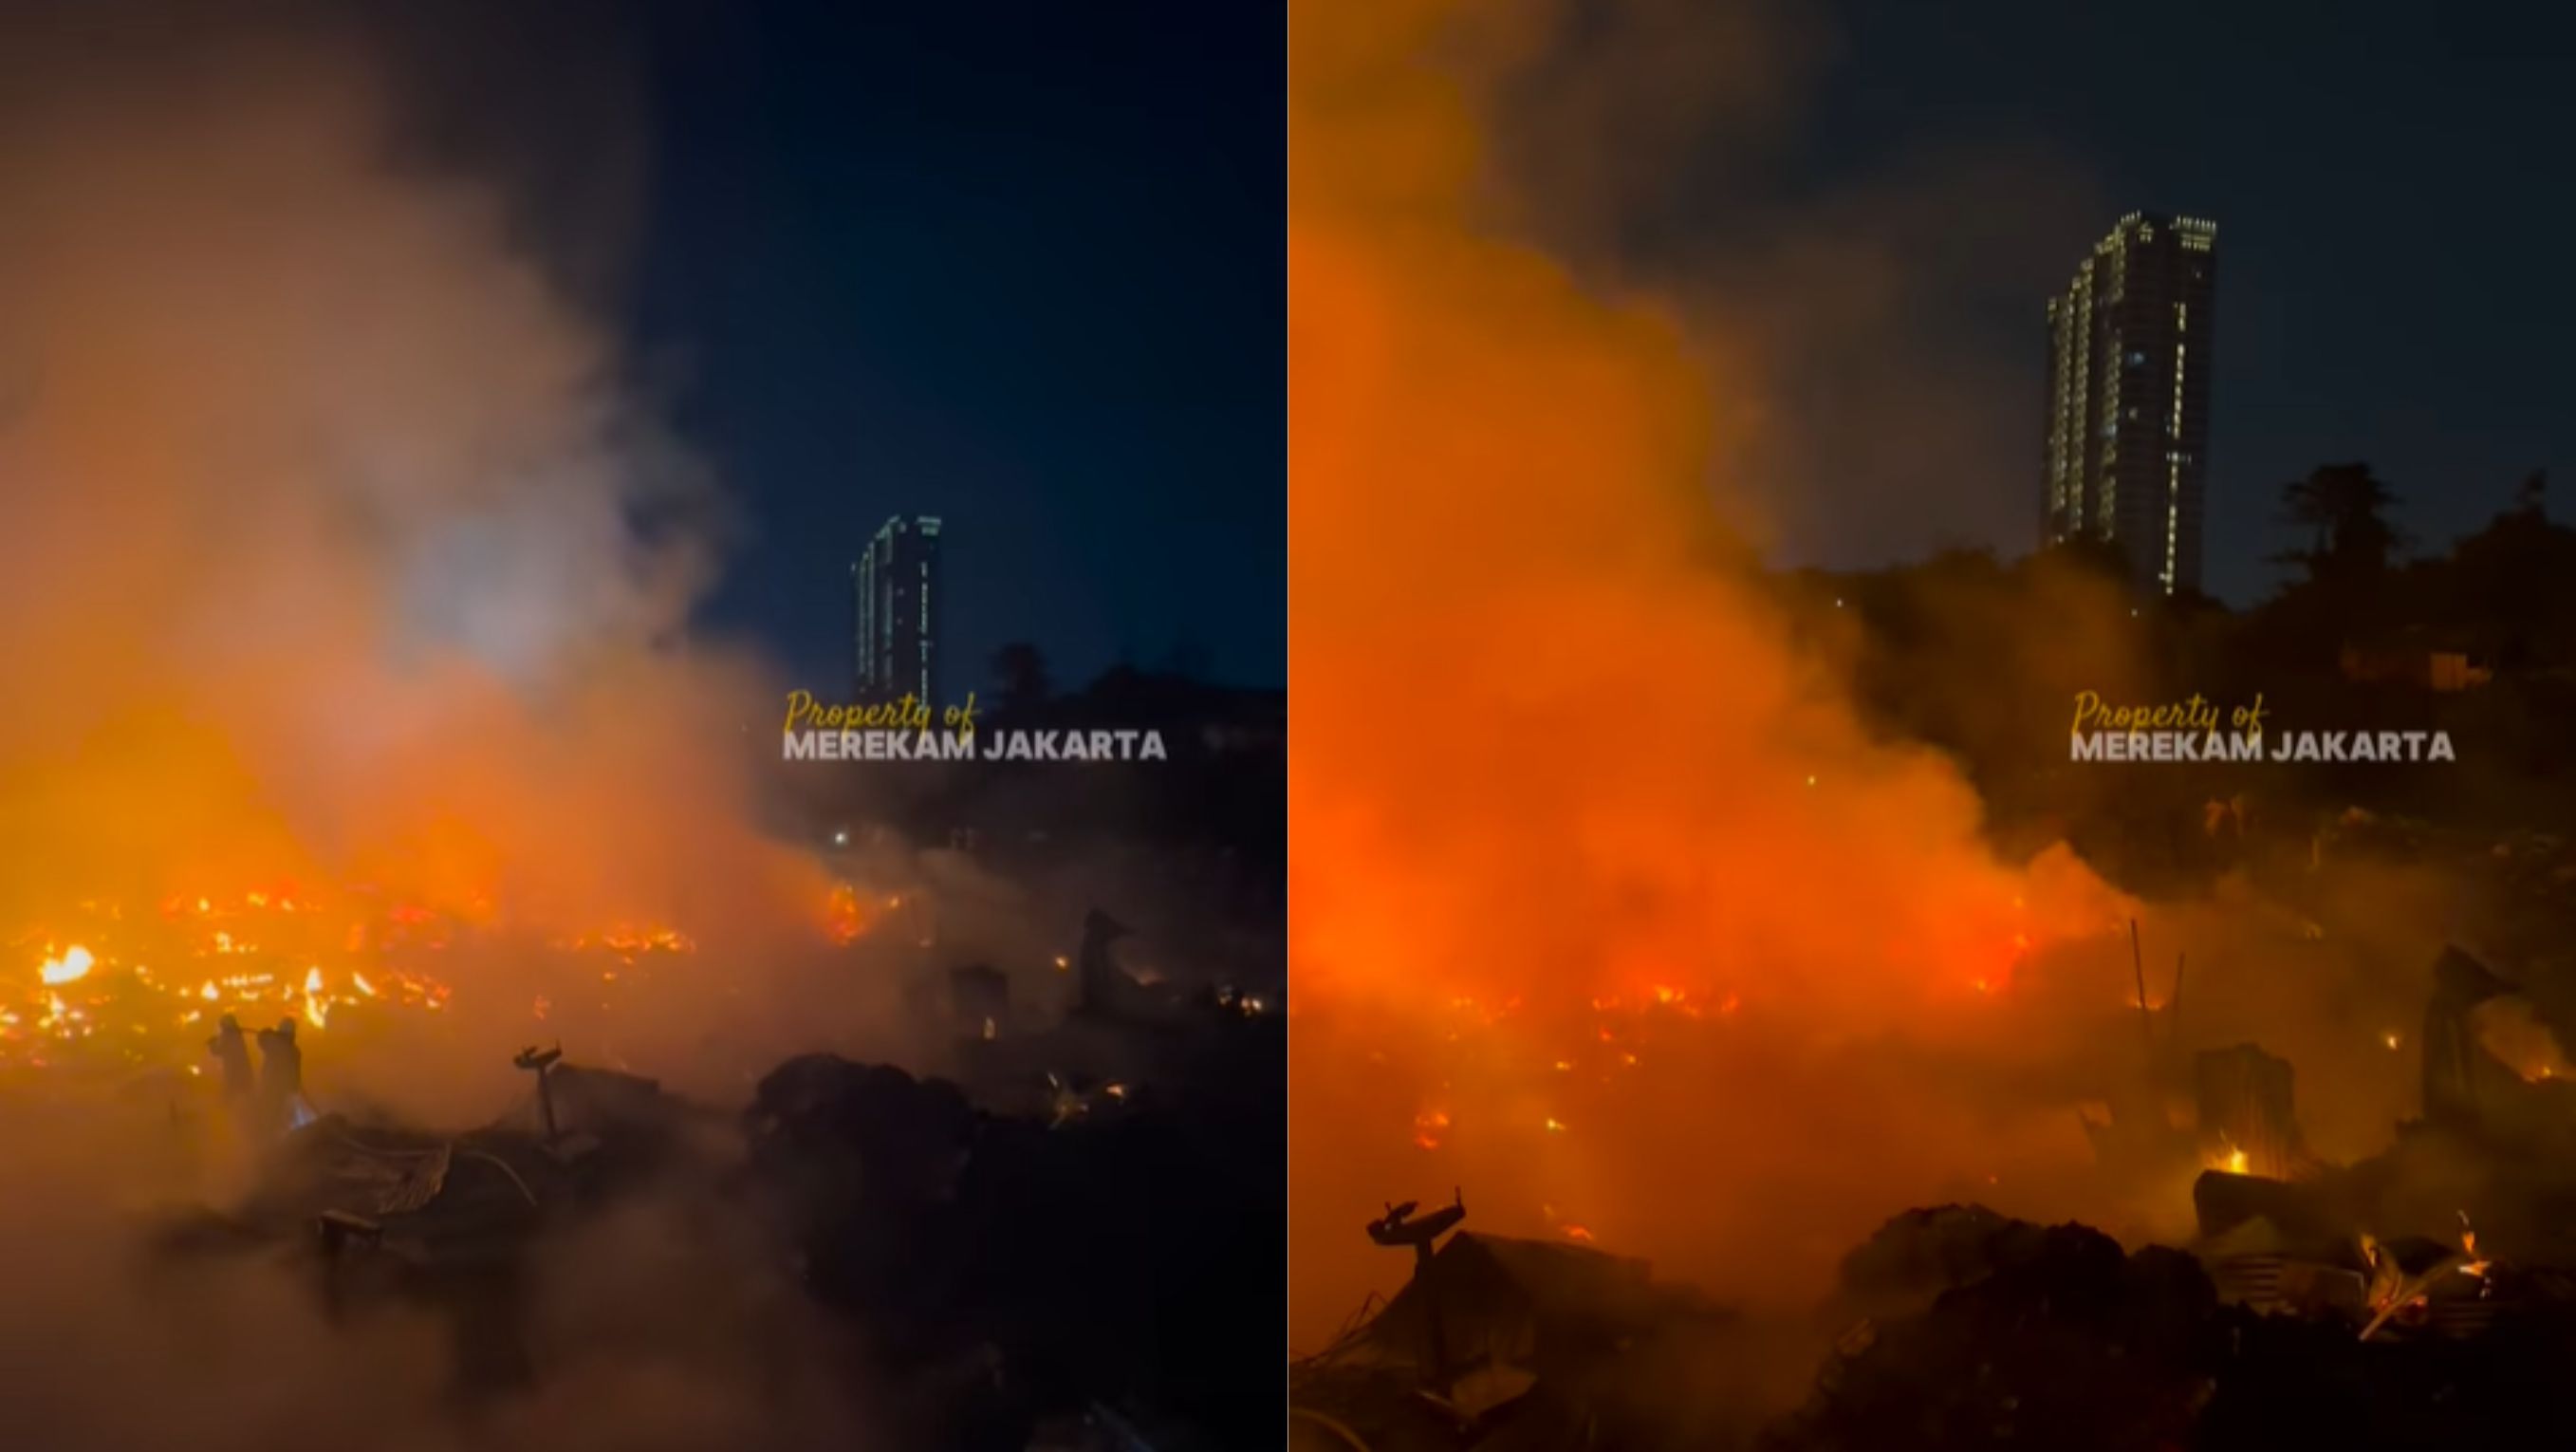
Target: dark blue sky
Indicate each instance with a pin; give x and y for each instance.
(2394, 219)
(1018, 264)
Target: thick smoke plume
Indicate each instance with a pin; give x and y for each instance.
(334, 548)
(337, 553)
(1605, 905)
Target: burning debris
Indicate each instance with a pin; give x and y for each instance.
(136, 988)
(2248, 1124)
(2419, 1297)
(1953, 1327)
(120, 988)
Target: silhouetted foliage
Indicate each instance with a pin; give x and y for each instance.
(2344, 507)
(1021, 672)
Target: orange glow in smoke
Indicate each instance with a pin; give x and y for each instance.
(845, 917)
(1553, 751)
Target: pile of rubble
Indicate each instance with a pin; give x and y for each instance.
(2056, 1338)
(1024, 1278)
(2423, 1298)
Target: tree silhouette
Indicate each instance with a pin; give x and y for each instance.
(2532, 498)
(1022, 674)
(2344, 508)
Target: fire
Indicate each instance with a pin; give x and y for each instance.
(2232, 1160)
(71, 967)
(342, 950)
(1692, 794)
(845, 919)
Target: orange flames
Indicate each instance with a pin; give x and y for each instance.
(2232, 1160)
(1579, 839)
(294, 614)
(71, 967)
(845, 917)
(242, 955)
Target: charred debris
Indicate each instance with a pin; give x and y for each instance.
(2423, 1298)
(1029, 1276)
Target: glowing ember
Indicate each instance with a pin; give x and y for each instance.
(844, 920)
(1428, 1127)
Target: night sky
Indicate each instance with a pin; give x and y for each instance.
(1019, 265)
(2394, 218)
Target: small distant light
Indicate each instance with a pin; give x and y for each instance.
(1838, 602)
(1811, 781)
(841, 838)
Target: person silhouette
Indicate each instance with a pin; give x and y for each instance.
(281, 1079)
(232, 1051)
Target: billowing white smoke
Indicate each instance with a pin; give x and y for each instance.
(331, 541)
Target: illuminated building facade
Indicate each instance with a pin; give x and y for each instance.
(2127, 427)
(896, 589)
